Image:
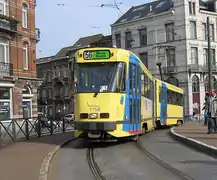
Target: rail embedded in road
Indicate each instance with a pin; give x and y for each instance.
(162, 163)
(93, 165)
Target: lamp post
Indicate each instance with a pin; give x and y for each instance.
(160, 70)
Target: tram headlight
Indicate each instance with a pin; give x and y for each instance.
(93, 115)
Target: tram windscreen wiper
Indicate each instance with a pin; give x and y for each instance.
(97, 92)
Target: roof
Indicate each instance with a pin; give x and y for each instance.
(146, 10)
(84, 41)
(150, 9)
(44, 60)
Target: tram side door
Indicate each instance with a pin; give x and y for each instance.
(135, 98)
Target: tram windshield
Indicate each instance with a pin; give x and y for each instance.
(101, 77)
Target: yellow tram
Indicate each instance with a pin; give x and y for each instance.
(116, 96)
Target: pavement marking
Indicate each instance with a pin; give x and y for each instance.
(47, 160)
(192, 140)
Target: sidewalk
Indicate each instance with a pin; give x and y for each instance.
(195, 135)
(23, 160)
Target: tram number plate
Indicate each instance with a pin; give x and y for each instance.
(94, 109)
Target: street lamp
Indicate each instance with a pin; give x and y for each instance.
(160, 70)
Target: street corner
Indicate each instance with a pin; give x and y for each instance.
(195, 136)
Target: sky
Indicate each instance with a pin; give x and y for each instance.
(62, 26)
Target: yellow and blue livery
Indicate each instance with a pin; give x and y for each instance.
(114, 94)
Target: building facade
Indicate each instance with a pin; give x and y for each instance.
(173, 33)
(55, 93)
(18, 38)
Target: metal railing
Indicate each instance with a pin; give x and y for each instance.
(37, 34)
(198, 118)
(14, 130)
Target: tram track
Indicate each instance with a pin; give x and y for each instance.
(180, 174)
(93, 165)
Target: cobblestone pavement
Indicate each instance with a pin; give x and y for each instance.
(195, 164)
(22, 161)
(70, 163)
(197, 132)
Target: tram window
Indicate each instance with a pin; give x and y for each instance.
(147, 86)
(175, 98)
(130, 78)
(121, 78)
(142, 84)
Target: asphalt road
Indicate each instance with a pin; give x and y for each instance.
(70, 163)
(195, 164)
(126, 161)
(116, 162)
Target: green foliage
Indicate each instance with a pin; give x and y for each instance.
(12, 20)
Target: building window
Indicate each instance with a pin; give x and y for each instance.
(213, 57)
(193, 31)
(195, 84)
(143, 36)
(144, 58)
(3, 6)
(25, 56)
(43, 93)
(170, 34)
(171, 57)
(4, 93)
(4, 50)
(194, 55)
(61, 91)
(24, 15)
(118, 40)
(44, 76)
(173, 80)
(128, 40)
(212, 34)
(50, 93)
(191, 8)
(204, 31)
(205, 56)
(49, 74)
(66, 90)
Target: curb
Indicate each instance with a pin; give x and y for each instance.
(46, 162)
(197, 145)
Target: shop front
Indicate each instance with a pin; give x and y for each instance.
(6, 111)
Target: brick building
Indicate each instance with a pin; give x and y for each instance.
(18, 38)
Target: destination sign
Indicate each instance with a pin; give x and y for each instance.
(97, 54)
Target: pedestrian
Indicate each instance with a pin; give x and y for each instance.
(193, 117)
(212, 122)
(206, 108)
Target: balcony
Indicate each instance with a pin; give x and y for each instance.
(8, 25)
(6, 69)
(37, 34)
(195, 68)
(205, 68)
(169, 69)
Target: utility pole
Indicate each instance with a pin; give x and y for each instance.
(209, 56)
